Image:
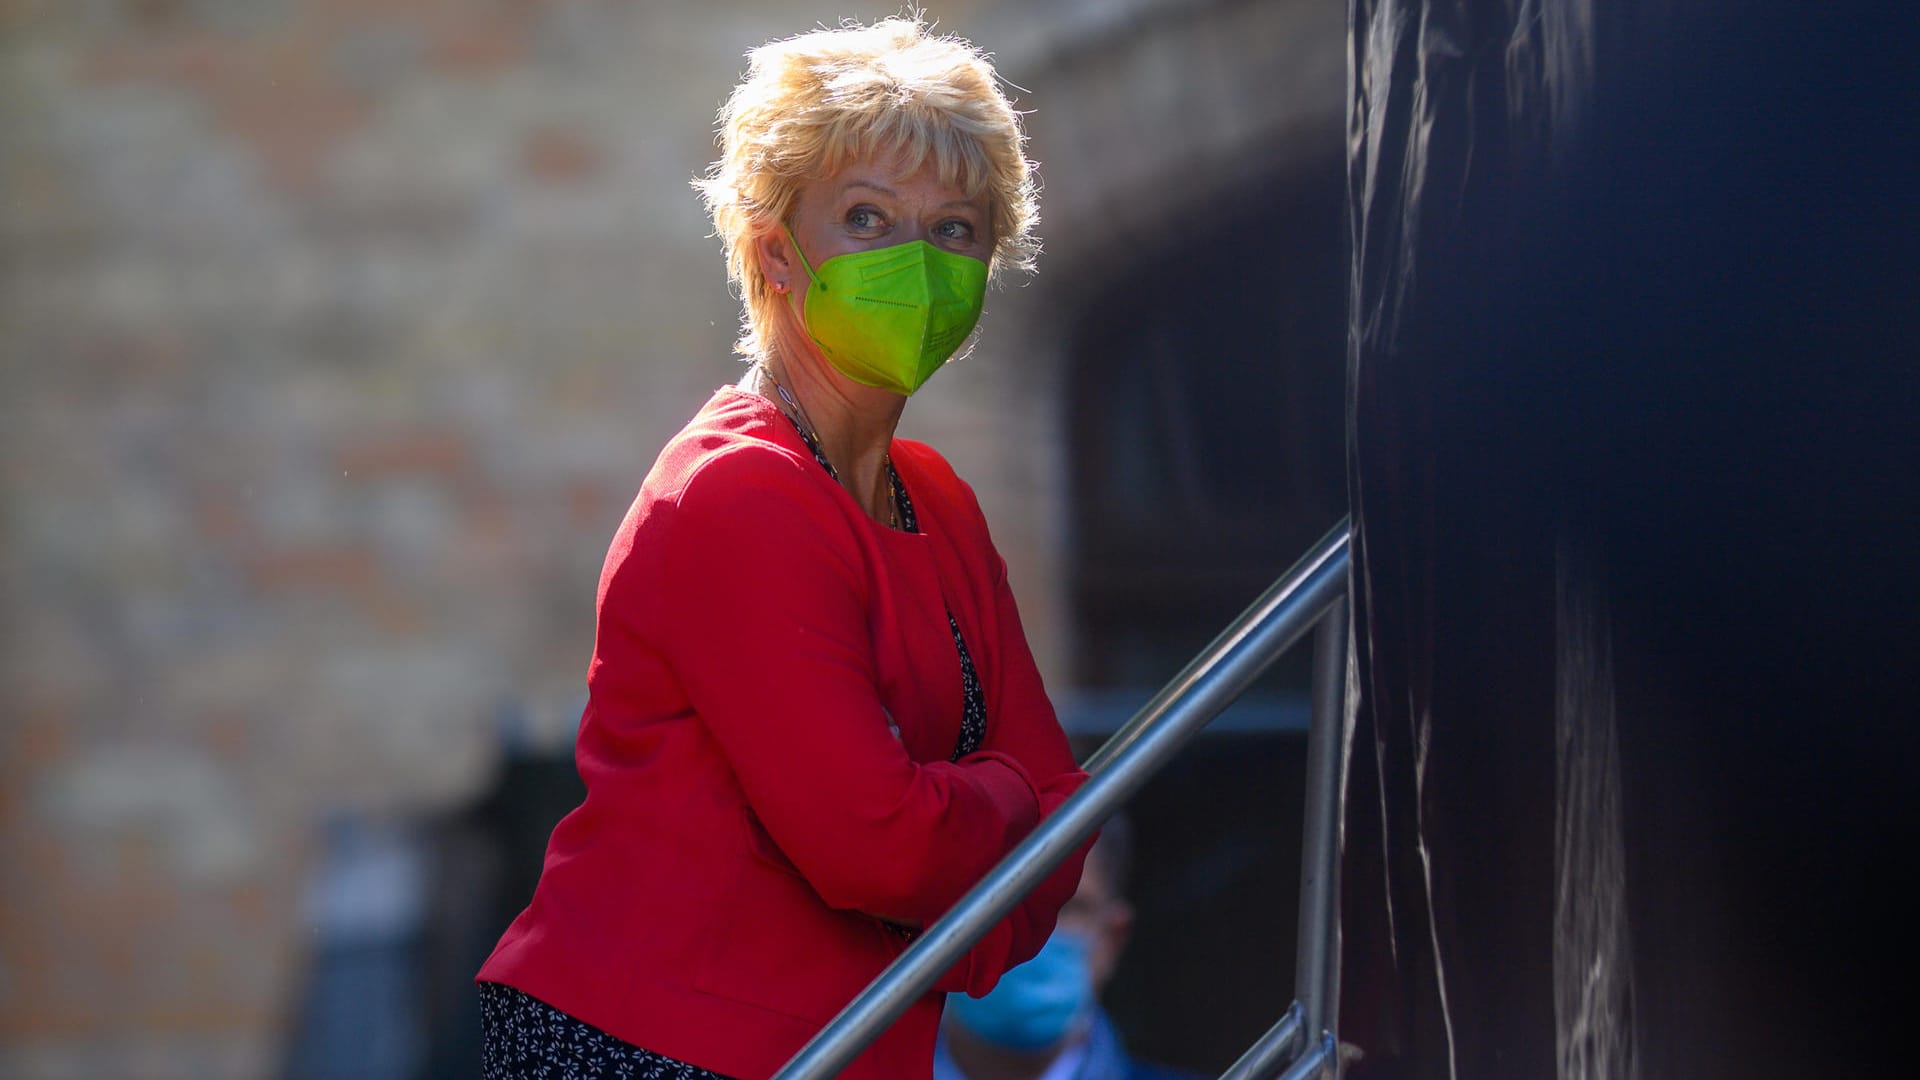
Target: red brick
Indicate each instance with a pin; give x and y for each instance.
(120, 957)
(150, 15)
(363, 11)
(489, 515)
(218, 1016)
(396, 615)
(251, 902)
(430, 453)
(337, 568)
(227, 734)
(197, 61)
(40, 739)
(28, 953)
(292, 128)
(586, 504)
(555, 155)
(474, 47)
(220, 520)
(14, 14)
(149, 358)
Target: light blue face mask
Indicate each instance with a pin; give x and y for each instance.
(1036, 1004)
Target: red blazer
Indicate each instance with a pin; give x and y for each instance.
(748, 812)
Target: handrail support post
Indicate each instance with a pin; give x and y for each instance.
(1316, 975)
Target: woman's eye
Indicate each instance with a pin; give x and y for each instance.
(954, 229)
(864, 217)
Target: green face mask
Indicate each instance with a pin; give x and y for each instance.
(891, 316)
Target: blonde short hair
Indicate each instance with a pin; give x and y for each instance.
(812, 104)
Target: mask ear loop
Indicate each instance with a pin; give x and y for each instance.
(817, 283)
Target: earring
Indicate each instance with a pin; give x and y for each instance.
(779, 286)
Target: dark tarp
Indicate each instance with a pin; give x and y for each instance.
(1634, 392)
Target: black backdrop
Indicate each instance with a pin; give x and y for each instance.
(1634, 387)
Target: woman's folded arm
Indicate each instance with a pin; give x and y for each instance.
(765, 611)
(1023, 725)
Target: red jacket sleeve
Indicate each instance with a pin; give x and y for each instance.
(770, 639)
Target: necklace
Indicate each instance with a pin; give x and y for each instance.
(804, 424)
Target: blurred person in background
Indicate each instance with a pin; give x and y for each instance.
(813, 717)
(1044, 1020)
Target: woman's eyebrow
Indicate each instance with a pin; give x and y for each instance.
(881, 189)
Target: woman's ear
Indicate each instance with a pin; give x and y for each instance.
(775, 253)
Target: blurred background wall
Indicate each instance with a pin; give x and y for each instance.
(335, 337)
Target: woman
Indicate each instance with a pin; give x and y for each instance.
(813, 720)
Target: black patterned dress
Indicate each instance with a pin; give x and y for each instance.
(523, 1036)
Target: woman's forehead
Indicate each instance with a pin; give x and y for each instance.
(903, 157)
(893, 175)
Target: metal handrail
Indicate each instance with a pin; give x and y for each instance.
(1270, 1051)
(1316, 1061)
(1221, 673)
